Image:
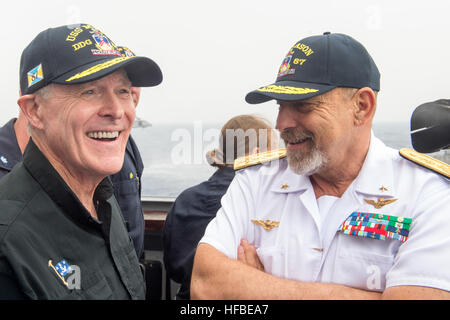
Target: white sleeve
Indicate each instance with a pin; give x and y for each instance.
(424, 259)
(231, 223)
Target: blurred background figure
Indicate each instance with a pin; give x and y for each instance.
(195, 207)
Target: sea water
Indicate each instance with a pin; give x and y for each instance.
(174, 154)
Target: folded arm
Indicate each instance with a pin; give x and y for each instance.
(215, 276)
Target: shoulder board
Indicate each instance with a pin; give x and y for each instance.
(426, 161)
(259, 158)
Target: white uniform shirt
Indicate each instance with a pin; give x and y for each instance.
(308, 246)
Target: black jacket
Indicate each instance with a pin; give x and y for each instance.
(185, 225)
(127, 187)
(45, 231)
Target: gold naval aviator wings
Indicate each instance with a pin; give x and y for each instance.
(426, 161)
(259, 158)
(380, 203)
(266, 224)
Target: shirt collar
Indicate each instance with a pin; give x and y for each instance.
(10, 153)
(289, 181)
(57, 189)
(377, 174)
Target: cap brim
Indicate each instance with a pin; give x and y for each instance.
(142, 71)
(287, 91)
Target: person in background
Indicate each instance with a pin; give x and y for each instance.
(62, 235)
(341, 216)
(195, 207)
(127, 187)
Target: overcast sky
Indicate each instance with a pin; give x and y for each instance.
(213, 52)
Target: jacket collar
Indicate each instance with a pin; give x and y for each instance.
(289, 181)
(376, 177)
(57, 189)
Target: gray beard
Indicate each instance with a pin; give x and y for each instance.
(306, 164)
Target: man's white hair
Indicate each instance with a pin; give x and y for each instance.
(44, 93)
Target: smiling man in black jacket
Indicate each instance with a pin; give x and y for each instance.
(62, 235)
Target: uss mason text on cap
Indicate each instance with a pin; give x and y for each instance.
(80, 53)
(318, 64)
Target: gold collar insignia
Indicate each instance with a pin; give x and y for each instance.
(266, 224)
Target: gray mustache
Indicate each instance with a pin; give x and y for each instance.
(295, 134)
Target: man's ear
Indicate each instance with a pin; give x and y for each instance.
(136, 94)
(32, 110)
(365, 105)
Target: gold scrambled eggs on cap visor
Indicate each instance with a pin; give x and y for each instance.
(287, 91)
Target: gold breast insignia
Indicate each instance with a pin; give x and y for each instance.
(266, 224)
(380, 203)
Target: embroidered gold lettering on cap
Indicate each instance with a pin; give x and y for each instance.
(380, 203)
(259, 158)
(284, 186)
(266, 224)
(426, 161)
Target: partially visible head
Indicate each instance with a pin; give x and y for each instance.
(80, 97)
(240, 136)
(326, 88)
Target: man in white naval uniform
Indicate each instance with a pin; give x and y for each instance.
(342, 216)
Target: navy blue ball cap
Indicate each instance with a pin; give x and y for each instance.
(73, 54)
(318, 64)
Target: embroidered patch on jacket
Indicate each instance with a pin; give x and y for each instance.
(61, 269)
(376, 226)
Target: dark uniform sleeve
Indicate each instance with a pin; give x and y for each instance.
(127, 190)
(184, 227)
